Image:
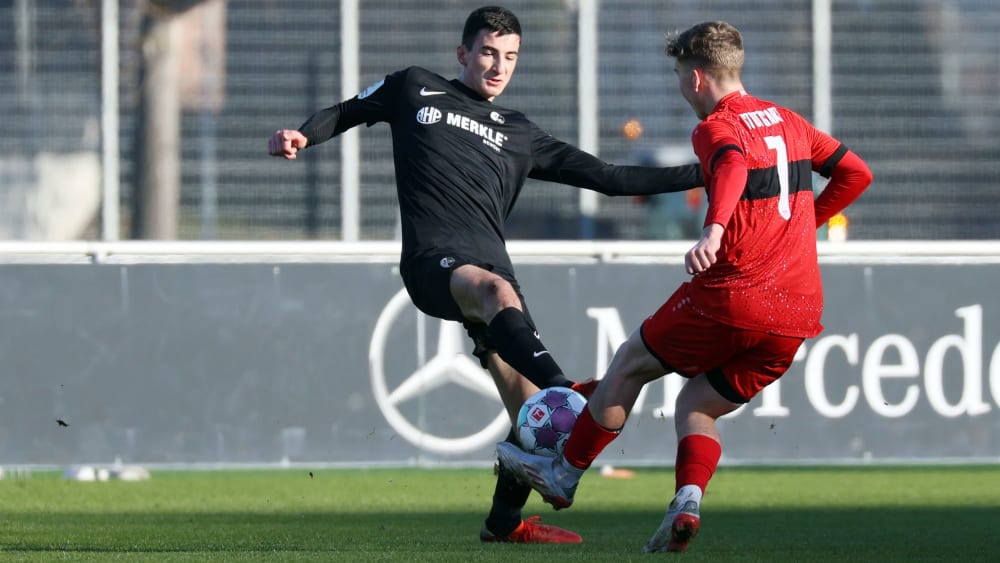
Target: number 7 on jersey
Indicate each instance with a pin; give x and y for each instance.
(777, 144)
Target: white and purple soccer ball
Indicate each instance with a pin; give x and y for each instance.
(547, 418)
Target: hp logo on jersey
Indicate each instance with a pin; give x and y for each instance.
(428, 115)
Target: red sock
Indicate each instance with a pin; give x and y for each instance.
(587, 441)
(697, 457)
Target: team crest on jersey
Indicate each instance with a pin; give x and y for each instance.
(497, 117)
(371, 89)
(428, 115)
(447, 262)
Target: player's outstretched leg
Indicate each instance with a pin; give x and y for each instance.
(680, 523)
(551, 477)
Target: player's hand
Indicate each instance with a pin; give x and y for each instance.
(286, 143)
(703, 254)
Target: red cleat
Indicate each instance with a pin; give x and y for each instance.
(532, 531)
(680, 525)
(683, 530)
(585, 388)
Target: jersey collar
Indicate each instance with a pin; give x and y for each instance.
(458, 84)
(729, 98)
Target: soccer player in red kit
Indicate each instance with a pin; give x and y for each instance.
(756, 291)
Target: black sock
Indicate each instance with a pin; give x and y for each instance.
(518, 344)
(509, 498)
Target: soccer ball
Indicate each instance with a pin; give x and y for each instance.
(546, 419)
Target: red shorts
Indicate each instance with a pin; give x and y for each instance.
(738, 362)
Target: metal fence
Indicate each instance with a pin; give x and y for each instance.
(911, 86)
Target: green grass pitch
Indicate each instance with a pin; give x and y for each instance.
(855, 514)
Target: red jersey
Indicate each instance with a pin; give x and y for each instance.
(767, 276)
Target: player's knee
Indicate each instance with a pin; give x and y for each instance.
(501, 294)
(496, 286)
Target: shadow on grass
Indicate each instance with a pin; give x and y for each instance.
(883, 534)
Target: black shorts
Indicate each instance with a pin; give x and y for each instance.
(427, 278)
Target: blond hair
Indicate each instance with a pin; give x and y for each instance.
(713, 46)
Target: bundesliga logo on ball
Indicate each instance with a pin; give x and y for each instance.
(547, 418)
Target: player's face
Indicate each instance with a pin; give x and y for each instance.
(490, 63)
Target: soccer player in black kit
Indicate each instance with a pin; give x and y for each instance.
(460, 164)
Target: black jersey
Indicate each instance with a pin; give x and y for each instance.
(461, 162)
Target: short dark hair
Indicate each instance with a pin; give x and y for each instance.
(493, 18)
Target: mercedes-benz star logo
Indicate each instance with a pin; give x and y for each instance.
(449, 365)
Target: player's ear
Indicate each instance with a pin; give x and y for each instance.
(698, 79)
(461, 53)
